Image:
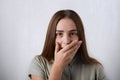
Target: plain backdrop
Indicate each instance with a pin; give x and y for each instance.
(23, 27)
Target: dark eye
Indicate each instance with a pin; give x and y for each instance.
(72, 33)
(59, 34)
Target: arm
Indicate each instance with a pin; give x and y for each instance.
(56, 73)
(36, 69)
(33, 77)
(63, 57)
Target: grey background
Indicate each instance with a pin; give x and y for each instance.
(23, 26)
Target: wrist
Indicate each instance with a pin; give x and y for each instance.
(56, 72)
(58, 66)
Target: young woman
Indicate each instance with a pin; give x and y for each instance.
(65, 55)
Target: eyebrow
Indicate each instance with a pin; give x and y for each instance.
(68, 31)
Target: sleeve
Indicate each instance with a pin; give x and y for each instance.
(37, 67)
(100, 74)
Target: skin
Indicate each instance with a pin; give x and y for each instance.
(67, 45)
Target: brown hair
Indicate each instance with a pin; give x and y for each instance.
(49, 46)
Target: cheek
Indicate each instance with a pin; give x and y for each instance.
(75, 38)
(58, 41)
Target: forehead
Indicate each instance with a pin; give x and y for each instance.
(66, 24)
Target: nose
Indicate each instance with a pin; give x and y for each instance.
(66, 39)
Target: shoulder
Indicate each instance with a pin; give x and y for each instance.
(39, 60)
(99, 71)
(96, 66)
(38, 63)
(96, 70)
(38, 66)
(93, 67)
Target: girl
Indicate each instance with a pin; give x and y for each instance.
(65, 55)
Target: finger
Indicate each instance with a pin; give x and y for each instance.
(72, 50)
(79, 43)
(70, 54)
(72, 44)
(57, 47)
(75, 48)
(78, 46)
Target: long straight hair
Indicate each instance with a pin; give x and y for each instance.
(49, 46)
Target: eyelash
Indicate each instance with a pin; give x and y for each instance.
(61, 34)
(72, 33)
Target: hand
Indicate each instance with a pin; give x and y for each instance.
(65, 55)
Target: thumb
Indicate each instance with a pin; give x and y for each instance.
(57, 47)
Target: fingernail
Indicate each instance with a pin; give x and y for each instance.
(80, 42)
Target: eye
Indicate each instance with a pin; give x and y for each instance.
(73, 33)
(59, 34)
